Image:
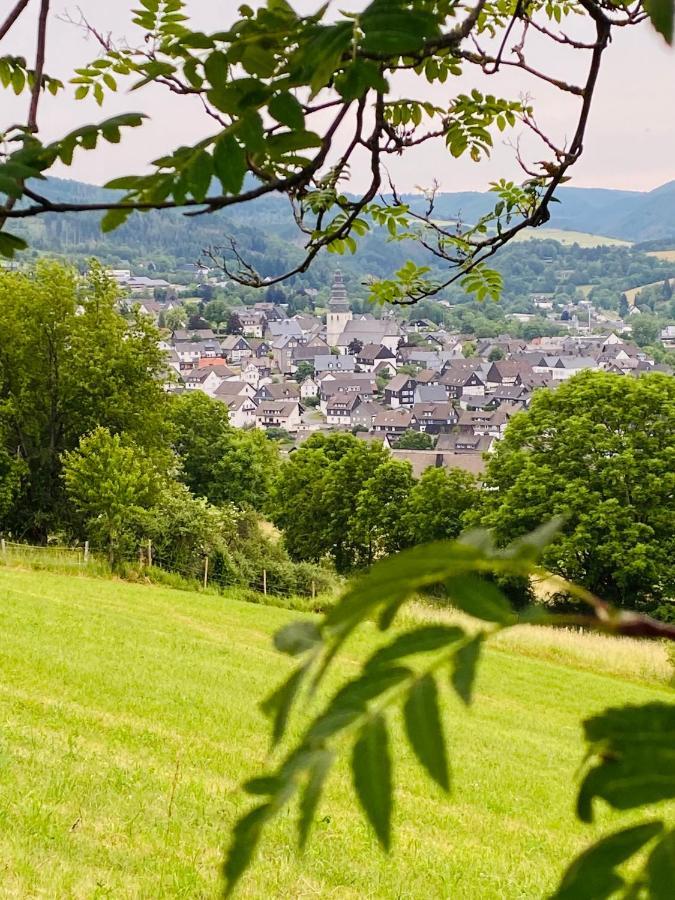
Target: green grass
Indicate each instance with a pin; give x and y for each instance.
(129, 717)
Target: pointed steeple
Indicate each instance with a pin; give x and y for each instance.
(338, 295)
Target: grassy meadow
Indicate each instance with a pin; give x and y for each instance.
(568, 238)
(129, 717)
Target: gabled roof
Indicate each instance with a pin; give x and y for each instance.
(232, 388)
(342, 402)
(281, 408)
(439, 412)
(234, 342)
(398, 382)
(286, 390)
(393, 418)
(326, 362)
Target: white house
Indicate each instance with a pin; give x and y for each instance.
(284, 414)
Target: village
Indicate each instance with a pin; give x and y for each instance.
(434, 398)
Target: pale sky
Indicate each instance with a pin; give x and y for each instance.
(630, 143)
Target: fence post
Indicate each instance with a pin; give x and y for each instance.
(4, 547)
(265, 582)
(149, 552)
(86, 551)
(206, 571)
(313, 590)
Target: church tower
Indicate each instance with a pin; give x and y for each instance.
(339, 312)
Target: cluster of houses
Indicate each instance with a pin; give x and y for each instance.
(382, 377)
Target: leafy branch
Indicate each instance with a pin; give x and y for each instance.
(407, 671)
(298, 101)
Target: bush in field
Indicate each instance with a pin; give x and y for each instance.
(113, 486)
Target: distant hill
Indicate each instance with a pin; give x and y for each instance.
(628, 215)
(266, 231)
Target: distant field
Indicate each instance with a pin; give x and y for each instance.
(667, 255)
(129, 717)
(564, 237)
(570, 237)
(632, 293)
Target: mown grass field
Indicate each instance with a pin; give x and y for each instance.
(129, 717)
(667, 255)
(582, 238)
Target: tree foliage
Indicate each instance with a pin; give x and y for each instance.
(218, 462)
(113, 485)
(69, 362)
(599, 450)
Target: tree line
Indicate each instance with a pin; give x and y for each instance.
(92, 445)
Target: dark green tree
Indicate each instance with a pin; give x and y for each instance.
(218, 462)
(69, 362)
(599, 450)
(233, 325)
(305, 370)
(415, 440)
(437, 505)
(113, 486)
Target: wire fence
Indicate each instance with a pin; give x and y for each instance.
(145, 562)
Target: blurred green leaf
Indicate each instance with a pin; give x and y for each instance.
(464, 668)
(297, 638)
(593, 875)
(662, 15)
(480, 598)
(425, 733)
(371, 770)
(319, 768)
(633, 753)
(661, 868)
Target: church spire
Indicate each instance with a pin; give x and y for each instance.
(338, 295)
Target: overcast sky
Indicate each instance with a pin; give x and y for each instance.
(630, 142)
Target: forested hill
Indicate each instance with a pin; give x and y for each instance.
(266, 231)
(628, 215)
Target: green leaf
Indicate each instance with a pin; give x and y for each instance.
(396, 577)
(352, 699)
(480, 598)
(593, 875)
(216, 68)
(425, 639)
(464, 668)
(371, 771)
(425, 733)
(662, 14)
(661, 868)
(322, 54)
(394, 31)
(10, 187)
(10, 243)
(360, 77)
(199, 174)
(291, 141)
(319, 768)
(633, 751)
(278, 705)
(286, 109)
(229, 163)
(114, 218)
(245, 839)
(297, 638)
(529, 547)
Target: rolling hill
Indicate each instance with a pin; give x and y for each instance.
(268, 235)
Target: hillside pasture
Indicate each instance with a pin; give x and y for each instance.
(568, 238)
(666, 255)
(130, 717)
